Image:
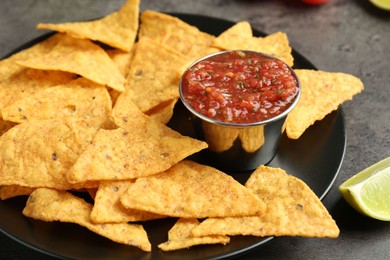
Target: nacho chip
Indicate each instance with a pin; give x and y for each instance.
(8, 65)
(53, 205)
(293, 209)
(39, 153)
(192, 190)
(10, 191)
(275, 44)
(153, 77)
(139, 147)
(117, 29)
(25, 82)
(237, 35)
(81, 57)
(108, 208)
(162, 112)
(79, 99)
(172, 31)
(321, 93)
(180, 236)
(122, 60)
(5, 126)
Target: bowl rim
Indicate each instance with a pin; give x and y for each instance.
(239, 125)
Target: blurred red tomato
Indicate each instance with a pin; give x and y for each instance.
(315, 2)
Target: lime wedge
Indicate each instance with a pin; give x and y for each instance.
(383, 4)
(369, 191)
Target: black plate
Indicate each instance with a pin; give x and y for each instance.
(315, 158)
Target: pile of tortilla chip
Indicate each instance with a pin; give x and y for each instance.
(86, 110)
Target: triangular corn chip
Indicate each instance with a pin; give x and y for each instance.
(237, 35)
(153, 77)
(53, 205)
(174, 32)
(8, 65)
(5, 126)
(192, 190)
(79, 99)
(163, 112)
(25, 82)
(275, 44)
(139, 147)
(117, 29)
(10, 191)
(293, 209)
(81, 57)
(107, 207)
(321, 93)
(39, 153)
(180, 236)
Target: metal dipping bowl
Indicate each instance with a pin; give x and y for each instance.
(238, 147)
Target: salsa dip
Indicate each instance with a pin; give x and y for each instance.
(239, 87)
(239, 101)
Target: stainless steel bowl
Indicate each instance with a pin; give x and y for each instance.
(238, 146)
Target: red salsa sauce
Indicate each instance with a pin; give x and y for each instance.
(239, 87)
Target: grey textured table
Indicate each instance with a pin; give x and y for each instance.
(348, 36)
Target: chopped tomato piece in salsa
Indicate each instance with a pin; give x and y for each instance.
(239, 87)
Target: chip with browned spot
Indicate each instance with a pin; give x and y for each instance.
(53, 205)
(117, 29)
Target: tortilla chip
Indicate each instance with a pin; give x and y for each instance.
(53, 205)
(81, 57)
(237, 35)
(153, 77)
(10, 191)
(321, 93)
(8, 65)
(179, 236)
(293, 209)
(79, 99)
(39, 153)
(122, 60)
(192, 190)
(108, 208)
(172, 31)
(275, 44)
(25, 82)
(163, 112)
(117, 29)
(5, 126)
(139, 147)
